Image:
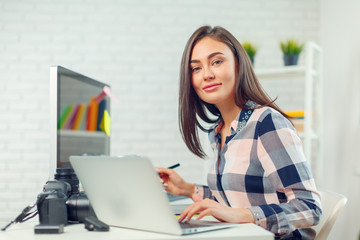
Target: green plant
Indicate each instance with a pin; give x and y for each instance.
(291, 47)
(250, 49)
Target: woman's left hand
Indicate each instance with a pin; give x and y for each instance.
(222, 213)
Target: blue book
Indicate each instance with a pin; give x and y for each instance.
(101, 110)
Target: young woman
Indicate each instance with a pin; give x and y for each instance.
(259, 173)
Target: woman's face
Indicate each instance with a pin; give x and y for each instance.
(212, 65)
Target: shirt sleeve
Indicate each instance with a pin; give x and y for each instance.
(280, 153)
(202, 192)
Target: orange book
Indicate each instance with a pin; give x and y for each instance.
(88, 113)
(92, 115)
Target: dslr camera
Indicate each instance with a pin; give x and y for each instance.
(61, 202)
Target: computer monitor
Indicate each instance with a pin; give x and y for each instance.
(79, 117)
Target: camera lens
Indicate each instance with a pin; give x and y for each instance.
(79, 208)
(68, 175)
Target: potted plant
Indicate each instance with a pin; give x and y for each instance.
(291, 50)
(251, 50)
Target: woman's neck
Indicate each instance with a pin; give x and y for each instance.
(229, 113)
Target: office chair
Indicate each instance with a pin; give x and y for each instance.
(332, 205)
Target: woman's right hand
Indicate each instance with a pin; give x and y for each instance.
(175, 184)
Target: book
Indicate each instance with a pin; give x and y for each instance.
(296, 114)
(105, 123)
(84, 120)
(92, 115)
(88, 116)
(298, 124)
(64, 116)
(79, 117)
(101, 110)
(71, 119)
(297, 118)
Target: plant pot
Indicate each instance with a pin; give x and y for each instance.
(252, 61)
(290, 60)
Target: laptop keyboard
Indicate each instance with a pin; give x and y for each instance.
(195, 226)
(186, 225)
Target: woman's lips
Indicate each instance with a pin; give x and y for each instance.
(211, 87)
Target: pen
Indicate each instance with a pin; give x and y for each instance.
(174, 166)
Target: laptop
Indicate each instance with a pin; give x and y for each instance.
(126, 192)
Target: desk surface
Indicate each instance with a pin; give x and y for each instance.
(25, 230)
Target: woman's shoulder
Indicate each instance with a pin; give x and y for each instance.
(266, 116)
(262, 112)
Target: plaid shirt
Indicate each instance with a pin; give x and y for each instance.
(262, 167)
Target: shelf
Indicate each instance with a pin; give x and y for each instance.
(289, 71)
(81, 133)
(283, 72)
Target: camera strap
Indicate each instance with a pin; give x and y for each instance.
(27, 214)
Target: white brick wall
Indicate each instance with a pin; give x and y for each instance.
(133, 45)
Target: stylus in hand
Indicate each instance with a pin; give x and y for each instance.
(174, 166)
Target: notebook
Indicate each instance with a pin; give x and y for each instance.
(126, 192)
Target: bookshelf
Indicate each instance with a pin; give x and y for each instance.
(311, 76)
(80, 142)
(81, 133)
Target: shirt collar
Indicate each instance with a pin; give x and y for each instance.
(237, 124)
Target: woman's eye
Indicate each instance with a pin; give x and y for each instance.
(195, 69)
(217, 62)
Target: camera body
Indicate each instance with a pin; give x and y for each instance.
(62, 202)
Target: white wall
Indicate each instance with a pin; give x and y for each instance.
(340, 39)
(133, 45)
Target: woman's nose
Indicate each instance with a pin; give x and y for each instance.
(208, 74)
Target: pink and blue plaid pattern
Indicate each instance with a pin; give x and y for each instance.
(262, 167)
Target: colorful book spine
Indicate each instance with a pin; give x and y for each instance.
(101, 110)
(88, 116)
(84, 119)
(92, 115)
(297, 119)
(71, 119)
(105, 123)
(79, 117)
(296, 114)
(64, 116)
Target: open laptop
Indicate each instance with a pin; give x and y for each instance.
(127, 192)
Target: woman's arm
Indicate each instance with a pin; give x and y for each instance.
(175, 184)
(280, 152)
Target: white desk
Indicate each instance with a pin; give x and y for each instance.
(25, 230)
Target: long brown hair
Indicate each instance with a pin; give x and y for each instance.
(191, 107)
